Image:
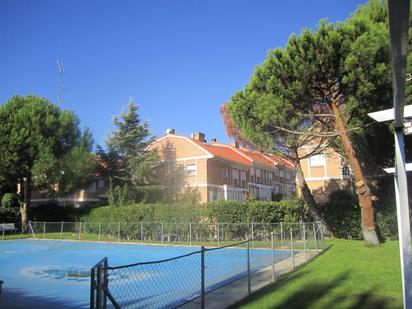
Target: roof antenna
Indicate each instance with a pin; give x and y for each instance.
(60, 84)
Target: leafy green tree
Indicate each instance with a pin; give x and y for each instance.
(129, 166)
(322, 84)
(38, 144)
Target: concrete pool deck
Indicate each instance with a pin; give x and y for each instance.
(230, 294)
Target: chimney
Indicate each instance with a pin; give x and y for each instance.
(213, 140)
(170, 131)
(199, 136)
(235, 144)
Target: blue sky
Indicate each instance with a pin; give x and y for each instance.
(179, 60)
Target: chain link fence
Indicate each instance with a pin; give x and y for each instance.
(225, 257)
(190, 233)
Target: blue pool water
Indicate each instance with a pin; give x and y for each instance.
(59, 271)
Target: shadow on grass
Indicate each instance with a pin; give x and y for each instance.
(310, 293)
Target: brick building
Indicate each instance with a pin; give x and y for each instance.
(220, 171)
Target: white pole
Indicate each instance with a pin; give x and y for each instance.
(398, 12)
(402, 210)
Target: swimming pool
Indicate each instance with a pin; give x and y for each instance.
(59, 271)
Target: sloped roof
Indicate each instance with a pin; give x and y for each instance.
(238, 155)
(226, 152)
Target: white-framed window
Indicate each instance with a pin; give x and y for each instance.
(190, 169)
(281, 173)
(317, 160)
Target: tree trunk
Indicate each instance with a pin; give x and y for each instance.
(362, 188)
(307, 195)
(25, 199)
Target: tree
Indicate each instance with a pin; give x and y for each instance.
(251, 132)
(321, 85)
(130, 167)
(38, 144)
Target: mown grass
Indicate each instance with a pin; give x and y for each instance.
(348, 275)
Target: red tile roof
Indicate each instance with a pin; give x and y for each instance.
(226, 152)
(241, 156)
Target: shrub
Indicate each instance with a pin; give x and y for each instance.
(9, 210)
(342, 214)
(9, 200)
(254, 211)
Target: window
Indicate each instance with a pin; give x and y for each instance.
(317, 160)
(346, 171)
(190, 169)
(225, 172)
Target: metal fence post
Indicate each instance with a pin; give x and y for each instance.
(202, 275)
(141, 232)
(281, 235)
(314, 237)
(61, 230)
(80, 229)
(218, 233)
(273, 256)
(249, 291)
(162, 235)
(304, 242)
(253, 235)
(190, 233)
(292, 249)
(4, 227)
(118, 231)
(44, 229)
(100, 230)
(105, 283)
(322, 236)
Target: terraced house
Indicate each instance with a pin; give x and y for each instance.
(221, 171)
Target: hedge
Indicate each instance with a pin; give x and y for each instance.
(219, 211)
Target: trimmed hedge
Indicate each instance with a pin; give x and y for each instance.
(219, 211)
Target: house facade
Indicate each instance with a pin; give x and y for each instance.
(221, 171)
(325, 173)
(95, 194)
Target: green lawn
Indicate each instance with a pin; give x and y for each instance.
(348, 275)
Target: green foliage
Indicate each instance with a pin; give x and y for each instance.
(342, 214)
(8, 215)
(128, 165)
(42, 144)
(255, 211)
(387, 223)
(9, 200)
(173, 213)
(9, 210)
